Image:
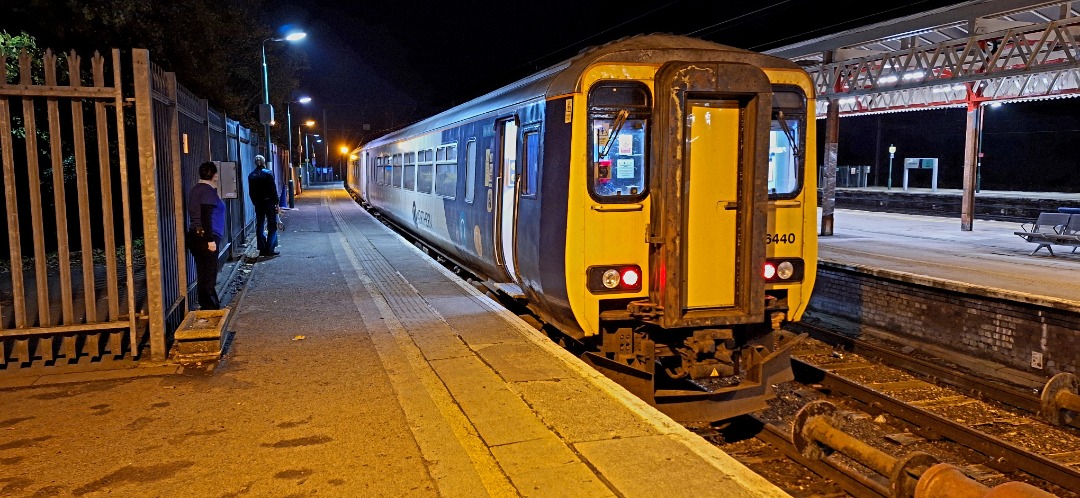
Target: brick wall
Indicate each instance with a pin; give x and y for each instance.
(992, 328)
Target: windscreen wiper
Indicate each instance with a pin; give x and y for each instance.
(620, 120)
(790, 135)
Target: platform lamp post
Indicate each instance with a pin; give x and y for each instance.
(344, 151)
(266, 111)
(892, 153)
(292, 169)
(326, 161)
(305, 166)
(307, 147)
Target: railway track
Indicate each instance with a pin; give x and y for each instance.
(1016, 396)
(996, 442)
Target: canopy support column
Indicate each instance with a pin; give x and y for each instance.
(828, 176)
(971, 160)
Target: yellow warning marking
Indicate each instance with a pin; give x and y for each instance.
(714, 373)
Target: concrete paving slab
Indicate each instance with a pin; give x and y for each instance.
(483, 330)
(578, 412)
(498, 414)
(620, 461)
(521, 361)
(546, 467)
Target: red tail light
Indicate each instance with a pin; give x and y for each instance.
(770, 270)
(614, 278)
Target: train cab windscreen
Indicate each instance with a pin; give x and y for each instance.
(786, 138)
(618, 123)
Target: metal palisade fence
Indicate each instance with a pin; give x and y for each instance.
(96, 162)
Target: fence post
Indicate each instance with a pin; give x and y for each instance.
(148, 183)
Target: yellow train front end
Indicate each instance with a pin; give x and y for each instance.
(692, 238)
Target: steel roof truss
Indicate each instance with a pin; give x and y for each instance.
(1022, 62)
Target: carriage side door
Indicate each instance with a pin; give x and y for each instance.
(506, 185)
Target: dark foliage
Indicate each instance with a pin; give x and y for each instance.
(212, 45)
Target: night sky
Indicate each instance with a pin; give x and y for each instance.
(393, 62)
(389, 63)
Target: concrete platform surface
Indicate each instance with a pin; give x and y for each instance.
(360, 368)
(990, 259)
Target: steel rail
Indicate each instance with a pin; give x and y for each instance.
(853, 482)
(999, 451)
(965, 382)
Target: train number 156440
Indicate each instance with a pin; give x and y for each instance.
(779, 238)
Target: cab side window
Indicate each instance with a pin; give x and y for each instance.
(618, 141)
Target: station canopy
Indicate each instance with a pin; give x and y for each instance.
(967, 54)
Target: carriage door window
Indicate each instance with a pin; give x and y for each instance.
(532, 163)
(507, 196)
(786, 139)
(618, 123)
(470, 171)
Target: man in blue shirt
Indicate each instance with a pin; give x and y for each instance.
(263, 193)
(206, 227)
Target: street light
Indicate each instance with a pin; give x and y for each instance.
(266, 113)
(892, 152)
(288, 132)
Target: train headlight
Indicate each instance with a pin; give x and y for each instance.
(611, 278)
(614, 278)
(783, 270)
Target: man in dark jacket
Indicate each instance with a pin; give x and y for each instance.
(206, 225)
(263, 194)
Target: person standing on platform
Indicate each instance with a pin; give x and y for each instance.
(263, 194)
(206, 227)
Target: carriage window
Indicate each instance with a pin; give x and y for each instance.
(532, 163)
(424, 175)
(446, 171)
(470, 171)
(618, 123)
(787, 136)
(409, 178)
(396, 169)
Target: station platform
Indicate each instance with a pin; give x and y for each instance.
(1002, 205)
(934, 251)
(359, 367)
(977, 299)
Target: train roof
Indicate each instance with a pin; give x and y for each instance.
(565, 77)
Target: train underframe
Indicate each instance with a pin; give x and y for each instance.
(697, 375)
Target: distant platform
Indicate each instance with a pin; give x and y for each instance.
(990, 256)
(989, 204)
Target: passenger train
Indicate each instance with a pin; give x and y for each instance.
(652, 199)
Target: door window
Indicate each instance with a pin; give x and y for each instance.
(532, 163)
(470, 171)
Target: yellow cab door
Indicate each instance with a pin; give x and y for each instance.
(709, 216)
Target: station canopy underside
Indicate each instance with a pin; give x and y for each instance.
(968, 54)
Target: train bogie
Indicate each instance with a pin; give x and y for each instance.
(652, 199)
